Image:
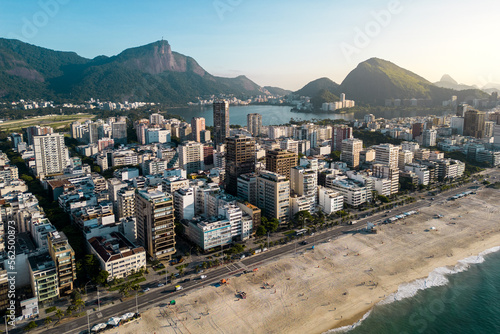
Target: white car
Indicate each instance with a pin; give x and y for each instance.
(203, 276)
(145, 290)
(160, 285)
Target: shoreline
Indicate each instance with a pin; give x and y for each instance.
(356, 320)
(339, 282)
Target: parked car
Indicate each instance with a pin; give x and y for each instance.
(160, 285)
(145, 290)
(303, 242)
(203, 276)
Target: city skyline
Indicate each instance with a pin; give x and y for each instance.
(284, 44)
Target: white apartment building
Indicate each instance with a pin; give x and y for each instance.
(184, 204)
(329, 200)
(404, 157)
(51, 155)
(421, 171)
(273, 195)
(191, 156)
(353, 194)
(221, 230)
(387, 154)
(304, 182)
(117, 255)
(125, 203)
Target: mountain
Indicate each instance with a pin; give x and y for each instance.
(375, 80)
(314, 87)
(323, 96)
(151, 72)
(277, 91)
(448, 82)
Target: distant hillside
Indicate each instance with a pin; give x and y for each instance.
(448, 82)
(313, 88)
(322, 97)
(151, 72)
(375, 80)
(277, 91)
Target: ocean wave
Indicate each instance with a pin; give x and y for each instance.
(437, 277)
(349, 327)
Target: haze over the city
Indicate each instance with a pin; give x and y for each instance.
(278, 43)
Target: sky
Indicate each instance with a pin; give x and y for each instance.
(283, 43)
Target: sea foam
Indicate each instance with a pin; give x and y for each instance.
(436, 278)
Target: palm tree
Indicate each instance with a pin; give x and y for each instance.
(79, 304)
(172, 277)
(47, 321)
(125, 289)
(59, 314)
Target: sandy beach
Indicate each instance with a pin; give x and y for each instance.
(338, 282)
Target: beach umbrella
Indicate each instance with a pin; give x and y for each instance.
(127, 315)
(99, 326)
(113, 321)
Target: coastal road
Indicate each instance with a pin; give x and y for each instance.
(165, 294)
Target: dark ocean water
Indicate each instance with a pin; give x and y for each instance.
(468, 303)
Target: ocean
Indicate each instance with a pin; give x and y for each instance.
(465, 299)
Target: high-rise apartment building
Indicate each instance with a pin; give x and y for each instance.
(474, 123)
(51, 155)
(281, 161)
(240, 159)
(156, 118)
(63, 256)
(351, 149)
(191, 156)
(304, 182)
(155, 223)
(254, 124)
(387, 154)
(417, 129)
(221, 121)
(119, 132)
(125, 203)
(429, 137)
(273, 195)
(340, 132)
(37, 130)
(387, 172)
(197, 125)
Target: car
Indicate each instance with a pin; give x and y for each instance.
(160, 285)
(242, 257)
(186, 280)
(145, 290)
(304, 242)
(203, 276)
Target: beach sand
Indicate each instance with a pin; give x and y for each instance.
(338, 282)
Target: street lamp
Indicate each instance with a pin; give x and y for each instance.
(6, 326)
(136, 305)
(88, 320)
(86, 287)
(98, 302)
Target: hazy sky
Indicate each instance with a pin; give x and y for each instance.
(284, 43)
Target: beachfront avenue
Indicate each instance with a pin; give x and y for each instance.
(165, 294)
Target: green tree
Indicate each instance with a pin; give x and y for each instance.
(261, 230)
(79, 304)
(47, 321)
(301, 217)
(102, 277)
(59, 314)
(31, 325)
